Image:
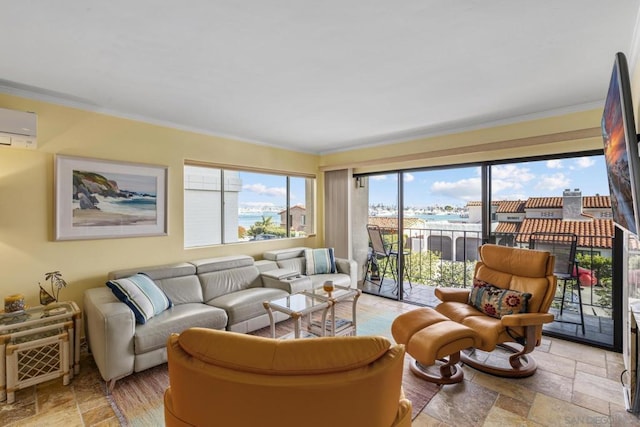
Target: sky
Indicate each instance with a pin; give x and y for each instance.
(260, 190)
(515, 181)
(454, 187)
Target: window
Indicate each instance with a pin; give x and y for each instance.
(227, 206)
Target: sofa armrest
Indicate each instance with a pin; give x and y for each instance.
(350, 267)
(452, 294)
(527, 319)
(293, 283)
(109, 329)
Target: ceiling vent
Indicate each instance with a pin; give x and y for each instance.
(18, 129)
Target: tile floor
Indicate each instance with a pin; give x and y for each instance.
(575, 385)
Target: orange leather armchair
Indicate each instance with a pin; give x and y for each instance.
(518, 269)
(230, 379)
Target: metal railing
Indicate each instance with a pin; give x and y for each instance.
(445, 257)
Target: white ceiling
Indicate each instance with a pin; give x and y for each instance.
(316, 76)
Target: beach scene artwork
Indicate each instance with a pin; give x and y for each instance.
(101, 199)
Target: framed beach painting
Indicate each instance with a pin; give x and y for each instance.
(100, 199)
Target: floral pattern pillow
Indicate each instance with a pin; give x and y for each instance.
(497, 302)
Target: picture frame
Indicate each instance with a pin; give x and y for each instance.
(102, 199)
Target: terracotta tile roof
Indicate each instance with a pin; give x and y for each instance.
(543, 202)
(594, 202)
(596, 233)
(386, 222)
(507, 227)
(591, 202)
(511, 206)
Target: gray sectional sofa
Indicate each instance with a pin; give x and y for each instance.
(292, 259)
(223, 293)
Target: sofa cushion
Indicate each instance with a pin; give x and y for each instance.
(339, 279)
(181, 290)
(178, 281)
(283, 357)
(156, 331)
(497, 302)
(320, 261)
(218, 283)
(297, 264)
(141, 295)
(222, 263)
(282, 254)
(157, 272)
(246, 304)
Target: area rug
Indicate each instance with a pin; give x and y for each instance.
(138, 399)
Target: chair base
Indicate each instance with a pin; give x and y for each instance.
(521, 364)
(450, 371)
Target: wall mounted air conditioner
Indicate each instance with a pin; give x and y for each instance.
(18, 129)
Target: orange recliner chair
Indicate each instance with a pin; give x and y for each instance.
(523, 270)
(230, 379)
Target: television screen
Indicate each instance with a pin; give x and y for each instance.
(621, 148)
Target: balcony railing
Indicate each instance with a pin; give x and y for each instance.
(445, 257)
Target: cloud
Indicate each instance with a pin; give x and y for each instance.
(509, 180)
(464, 189)
(377, 177)
(583, 163)
(258, 205)
(511, 173)
(265, 191)
(554, 164)
(552, 182)
(408, 177)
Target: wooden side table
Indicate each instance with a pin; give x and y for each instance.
(37, 345)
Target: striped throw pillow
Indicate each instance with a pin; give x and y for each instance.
(140, 293)
(320, 261)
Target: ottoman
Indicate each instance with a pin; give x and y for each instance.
(430, 337)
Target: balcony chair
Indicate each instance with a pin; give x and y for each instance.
(563, 247)
(225, 378)
(486, 308)
(383, 256)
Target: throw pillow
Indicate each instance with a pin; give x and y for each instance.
(140, 293)
(320, 261)
(497, 302)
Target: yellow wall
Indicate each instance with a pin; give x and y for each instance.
(560, 134)
(27, 246)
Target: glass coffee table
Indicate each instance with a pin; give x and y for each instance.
(301, 307)
(315, 308)
(335, 325)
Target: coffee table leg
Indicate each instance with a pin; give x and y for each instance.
(297, 321)
(271, 319)
(355, 302)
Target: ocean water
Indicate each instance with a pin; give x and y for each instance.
(442, 217)
(246, 220)
(140, 206)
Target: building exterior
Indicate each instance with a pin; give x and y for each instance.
(513, 221)
(298, 219)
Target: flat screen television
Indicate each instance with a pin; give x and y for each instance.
(621, 148)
